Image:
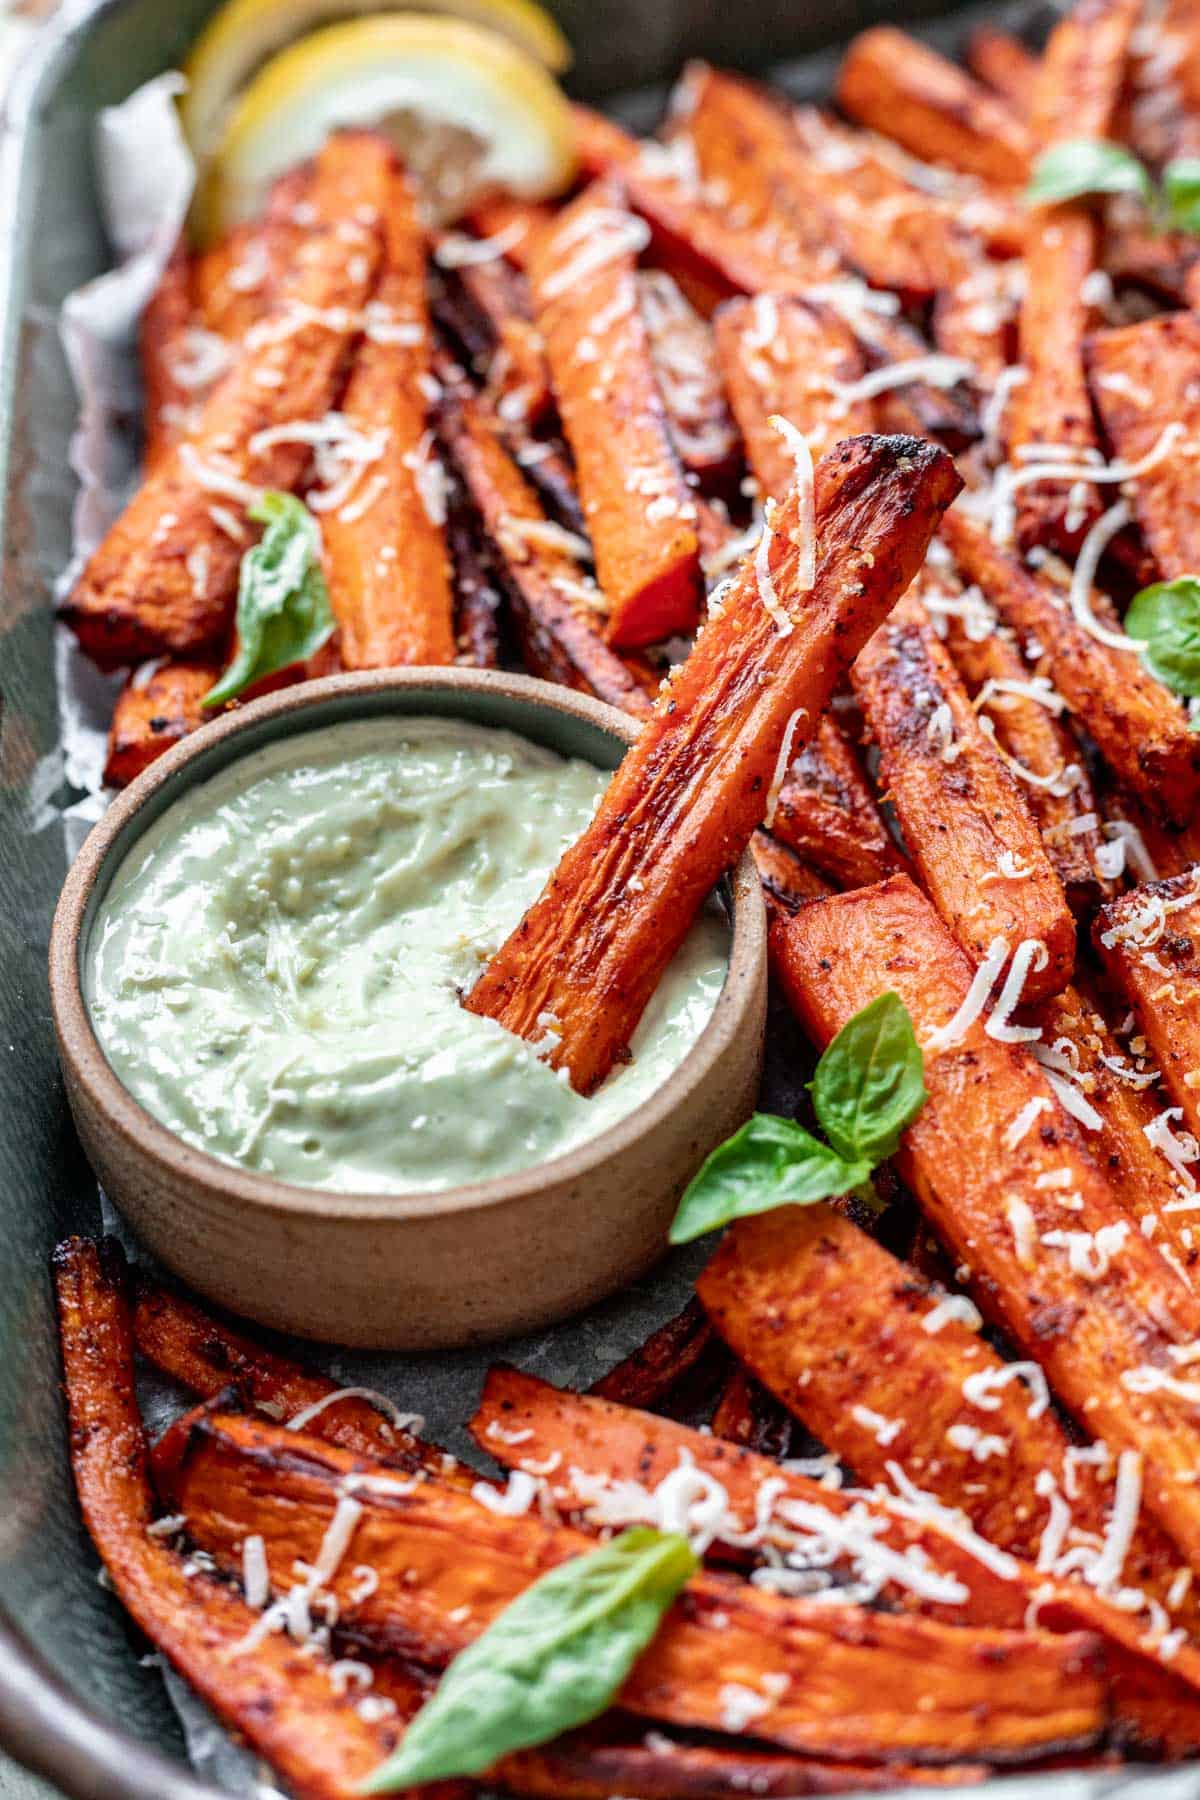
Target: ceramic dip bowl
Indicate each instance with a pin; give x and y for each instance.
(418, 1270)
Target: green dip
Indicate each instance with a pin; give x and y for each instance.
(275, 971)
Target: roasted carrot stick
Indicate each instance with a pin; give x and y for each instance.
(236, 281)
(1150, 942)
(638, 507)
(747, 1414)
(278, 1697)
(518, 381)
(159, 705)
(687, 797)
(827, 813)
(689, 379)
(649, 1373)
(1075, 1287)
(923, 407)
(975, 319)
(970, 833)
(1001, 61)
(850, 1680)
(385, 548)
(787, 881)
(512, 222)
(478, 603)
(165, 335)
(897, 86)
(1138, 725)
(165, 578)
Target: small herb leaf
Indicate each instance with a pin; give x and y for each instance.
(283, 611)
(1181, 194)
(1083, 166)
(554, 1659)
(770, 1162)
(870, 1082)
(1166, 619)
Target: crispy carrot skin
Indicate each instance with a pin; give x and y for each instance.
(686, 799)
(1150, 942)
(280, 1700)
(638, 507)
(478, 603)
(854, 1678)
(517, 373)
(958, 806)
(827, 813)
(165, 578)
(1138, 725)
(1145, 379)
(648, 1374)
(388, 572)
(787, 881)
(1004, 63)
(901, 88)
(162, 335)
(152, 713)
(1088, 1334)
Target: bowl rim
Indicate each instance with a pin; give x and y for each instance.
(114, 837)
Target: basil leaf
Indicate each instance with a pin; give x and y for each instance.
(1082, 166)
(870, 1083)
(1166, 619)
(554, 1659)
(1181, 194)
(283, 611)
(770, 1162)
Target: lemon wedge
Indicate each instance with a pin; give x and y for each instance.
(466, 109)
(245, 34)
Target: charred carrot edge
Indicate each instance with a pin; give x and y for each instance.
(975, 318)
(959, 808)
(684, 356)
(1002, 62)
(945, 413)
(689, 794)
(779, 355)
(279, 1699)
(584, 293)
(1150, 942)
(827, 813)
(155, 709)
(1137, 724)
(478, 604)
(385, 549)
(852, 1679)
(1143, 381)
(518, 379)
(166, 322)
(164, 580)
(1099, 1324)
(787, 881)
(556, 613)
(747, 1414)
(934, 109)
(648, 1374)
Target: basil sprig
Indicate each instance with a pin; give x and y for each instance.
(1165, 619)
(1084, 166)
(554, 1659)
(283, 610)
(867, 1087)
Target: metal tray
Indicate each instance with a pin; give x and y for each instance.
(76, 1706)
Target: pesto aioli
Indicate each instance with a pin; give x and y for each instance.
(276, 967)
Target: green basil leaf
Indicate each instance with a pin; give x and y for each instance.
(554, 1659)
(870, 1083)
(1083, 166)
(770, 1162)
(283, 611)
(1166, 619)
(1181, 194)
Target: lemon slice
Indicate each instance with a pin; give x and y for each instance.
(466, 109)
(244, 34)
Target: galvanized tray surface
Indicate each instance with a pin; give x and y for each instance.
(77, 1705)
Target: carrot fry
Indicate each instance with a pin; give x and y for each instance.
(787, 882)
(746, 1414)
(1150, 942)
(165, 578)
(850, 1681)
(636, 502)
(976, 317)
(514, 223)
(155, 709)
(167, 325)
(1161, 104)
(276, 1696)
(979, 852)
(557, 612)
(901, 88)
(477, 601)
(648, 1374)
(236, 282)
(1137, 724)
(826, 812)
(781, 356)
(1159, 262)
(1155, 847)
(919, 406)
(1145, 381)
(689, 379)
(518, 379)
(385, 551)
(685, 801)
(1004, 63)
(1098, 1312)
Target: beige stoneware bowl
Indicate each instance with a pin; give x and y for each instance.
(418, 1271)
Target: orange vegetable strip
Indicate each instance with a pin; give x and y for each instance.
(787, 881)
(1150, 942)
(945, 413)
(478, 603)
(516, 222)
(649, 1373)
(959, 808)
(163, 343)
(688, 795)
(279, 1699)
(827, 813)
(975, 318)
(237, 281)
(157, 707)
(1167, 847)
(1138, 725)
(1001, 61)
(518, 381)
(164, 580)
(385, 549)
(1161, 262)
(746, 1414)
(1096, 1312)
(850, 1681)
(1145, 379)
(904, 90)
(689, 379)
(637, 505)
